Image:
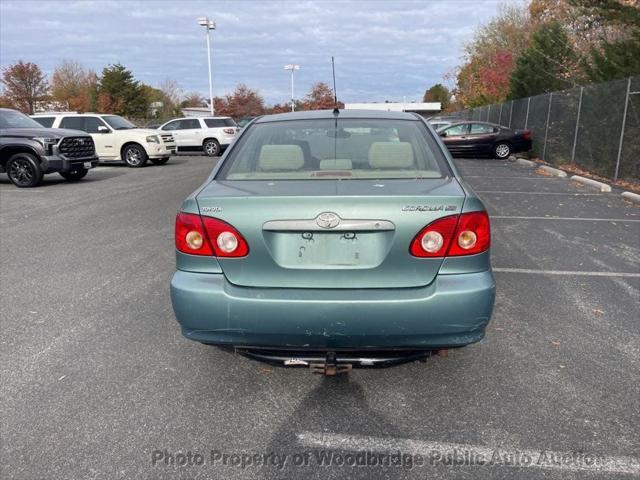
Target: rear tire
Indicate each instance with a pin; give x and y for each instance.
(501, 150)
(134, 156)
(159, 161)
(24, 170)
(211, 147)
(74, 175)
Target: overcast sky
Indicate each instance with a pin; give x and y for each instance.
(384, 50)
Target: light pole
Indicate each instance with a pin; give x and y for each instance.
(208, 25)
(293, 67)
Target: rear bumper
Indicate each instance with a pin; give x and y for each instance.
(453, 311)
(521, 146)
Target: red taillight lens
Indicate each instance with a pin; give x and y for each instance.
(473, 234)
(197, 235)
(225, 239)
(428, 236)
(526, 135)
(229, 131)
(452, 236)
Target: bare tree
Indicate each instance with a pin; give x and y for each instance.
(75, 85)
(172, 91)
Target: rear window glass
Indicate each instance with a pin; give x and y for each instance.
(45, 121)
(219, 122)
(335, 149)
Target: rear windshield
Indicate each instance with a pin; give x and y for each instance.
(335, 149)
(219, 122)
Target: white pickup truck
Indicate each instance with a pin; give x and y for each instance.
(116, 138)
(211, 135)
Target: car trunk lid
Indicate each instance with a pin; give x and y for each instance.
(331, 233)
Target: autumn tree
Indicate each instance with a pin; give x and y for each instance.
(193, 100)
(279, 108)
(319, 98)
(490, 57)
(438, 93)
(24, 85)
(244, 102)
(120, 93)
(546, 65)
(74, 85)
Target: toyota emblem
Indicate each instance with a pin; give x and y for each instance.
(328, 220)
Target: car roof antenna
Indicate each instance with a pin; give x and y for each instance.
(336, 110)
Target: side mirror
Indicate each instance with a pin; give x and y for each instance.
(103, 129)
(443, 134)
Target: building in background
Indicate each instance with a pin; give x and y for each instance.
(425, 109)
(196, 111)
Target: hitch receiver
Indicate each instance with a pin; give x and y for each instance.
(330, 367)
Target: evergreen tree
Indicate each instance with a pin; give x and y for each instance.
(545, 65)
(438, 93)
(615, 60)
(120, 93)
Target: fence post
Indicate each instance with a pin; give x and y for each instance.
(546, 130)
(624, 123)
(526, 119)
(500, 117)
(510, 113)
(488, 113)
(575, 133)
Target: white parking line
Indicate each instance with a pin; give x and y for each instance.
(614, 220)
(517, 192)
(512, 178)
(576, 273)
(478, 456)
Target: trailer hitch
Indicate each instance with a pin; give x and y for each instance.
(330, 367)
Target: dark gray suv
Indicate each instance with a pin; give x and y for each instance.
(28, 150)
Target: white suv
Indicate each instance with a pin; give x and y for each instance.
(211, 135)
(115, 137)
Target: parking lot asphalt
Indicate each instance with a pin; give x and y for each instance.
(97, 381)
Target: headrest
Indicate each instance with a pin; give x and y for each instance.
(391, 155)
(336, 164)
(280, 157)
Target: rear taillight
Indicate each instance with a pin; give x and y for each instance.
(473, 234)
(225, 239)
(209, 236)
(229, 131)
(526, 134)
(453, 236)
(424, 243)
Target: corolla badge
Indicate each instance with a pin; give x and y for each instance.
(328, 220)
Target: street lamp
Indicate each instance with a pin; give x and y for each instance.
(293, 67)
(208, 25)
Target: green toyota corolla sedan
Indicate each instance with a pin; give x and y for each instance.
(334, 239)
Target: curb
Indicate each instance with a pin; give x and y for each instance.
(526, 163)
(511, 158)
(603, 187)
(632, 197)
(553, 171)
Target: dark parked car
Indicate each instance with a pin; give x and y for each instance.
(471, 139)
(28, 150)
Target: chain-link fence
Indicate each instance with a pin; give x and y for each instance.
(596, 127)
